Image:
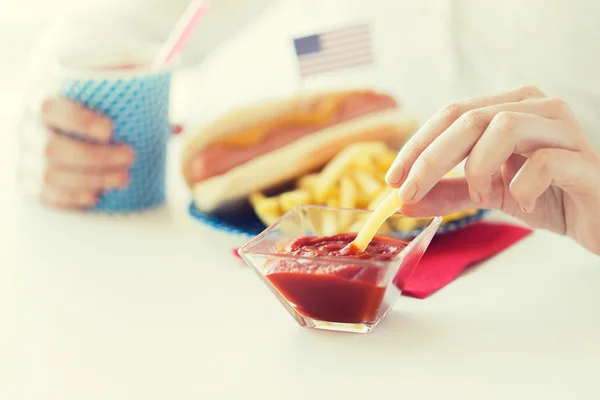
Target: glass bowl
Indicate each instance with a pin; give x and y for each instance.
(333, 292)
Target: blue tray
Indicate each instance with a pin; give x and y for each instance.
(249, 225)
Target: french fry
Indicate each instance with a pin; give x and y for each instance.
(385, 229)
(308, 182)
(367, 184)
(337, 167)
(398, 223)
(362, 200)
(334, 193)
(379, 198)
(348, 193)
(365, 163)
(376, 219)
(258, 200)
(329, 225)
(332, 202)
(384, 160)
(348, 199)
(289, 200)
(458, 215)
(355, 178)
(266, 208)
(404, 224)
(333, 197)
(358, 224)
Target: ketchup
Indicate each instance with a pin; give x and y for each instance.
(327, 291)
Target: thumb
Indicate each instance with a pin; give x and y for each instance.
(450, 195)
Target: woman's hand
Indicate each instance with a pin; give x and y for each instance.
(526, 155)
(78, 170)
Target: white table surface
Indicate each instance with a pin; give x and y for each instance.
(156, 307)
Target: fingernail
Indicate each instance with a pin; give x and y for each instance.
(101, 129)
(394, 174)
(408, 191)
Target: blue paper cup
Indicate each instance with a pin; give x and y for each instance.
(137, 101)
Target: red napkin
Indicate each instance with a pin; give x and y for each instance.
(451, 253)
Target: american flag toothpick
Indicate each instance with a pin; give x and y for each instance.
(337, 49)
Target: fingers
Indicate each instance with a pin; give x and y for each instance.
(545, 167)
(510, 133)
(78, 170)
(566, 169)
(442, 121)
(72, 180)
(64, 115)
(67, 152)
(68, 199)
(508, 126)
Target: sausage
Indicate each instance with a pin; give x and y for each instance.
(218, 158)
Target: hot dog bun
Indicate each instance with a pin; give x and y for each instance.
(291, 160)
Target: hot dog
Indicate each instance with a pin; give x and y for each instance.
(264, 145)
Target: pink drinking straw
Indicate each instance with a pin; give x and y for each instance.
(180, 34)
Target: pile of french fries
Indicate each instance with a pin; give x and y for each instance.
(355, 178)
